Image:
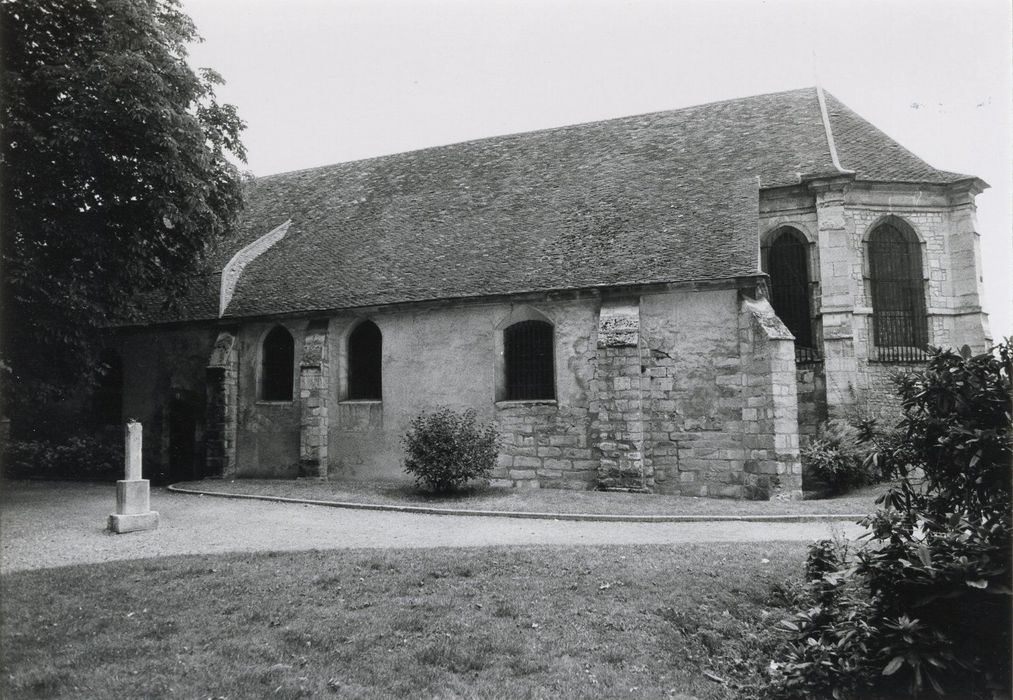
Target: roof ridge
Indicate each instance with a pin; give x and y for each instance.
(544, 130)
(821, 98)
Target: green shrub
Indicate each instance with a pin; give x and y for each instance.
(838, 457)
(446, 449)
(924, 607)
(97, 456)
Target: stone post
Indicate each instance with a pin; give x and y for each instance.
(619, 424)
(222, 406)
(971, 321)
(133, 494)
(837, 299)
(770, 407)
(313, 398)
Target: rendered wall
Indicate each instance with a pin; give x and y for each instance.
(686, 403)
(267, 435)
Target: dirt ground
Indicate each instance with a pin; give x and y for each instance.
(49, 524)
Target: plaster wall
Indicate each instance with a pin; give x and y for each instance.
(683, 395)
(449, 356)
(267, 434)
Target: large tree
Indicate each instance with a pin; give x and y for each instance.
(115, 176)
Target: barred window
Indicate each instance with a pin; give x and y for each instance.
(899, 319)
(277, 359)
(530, 374)
(365, 362)
(787, 263)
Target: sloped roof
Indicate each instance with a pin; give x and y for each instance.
(664, 197)
(876, 157)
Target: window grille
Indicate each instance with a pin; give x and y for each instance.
(899, 318)
(365, 362)
(529, 363)
(277, 359)
(791, 291)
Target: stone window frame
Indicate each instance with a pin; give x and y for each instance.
(519, 314)
(341, 362)
(259, 366)
(903, 224)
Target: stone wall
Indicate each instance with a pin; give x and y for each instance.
(837, 215)
(672, 406)
(812, 399)
(618, 400)
(693, 386)
(545, 445)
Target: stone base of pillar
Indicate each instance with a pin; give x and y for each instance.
(133, 507)
(133, 522)
(312, 469)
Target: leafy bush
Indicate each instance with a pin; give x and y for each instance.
(445, 449)
(837, 456)
(77, 457)
(924, 607)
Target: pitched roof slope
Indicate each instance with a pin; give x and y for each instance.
(661, 197)
(873, 155)
(664, 197)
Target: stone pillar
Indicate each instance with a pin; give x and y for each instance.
(133, 494)
(770, 404)
(837, 300)
(222, 406)
(618, 423)
(313, 397)
(971, 321)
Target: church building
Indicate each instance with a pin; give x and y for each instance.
(667, 302)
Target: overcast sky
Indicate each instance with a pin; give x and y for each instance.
(321, 82)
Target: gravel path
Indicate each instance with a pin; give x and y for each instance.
(48, 524)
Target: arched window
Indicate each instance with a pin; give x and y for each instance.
(277, 359)
(365, 362)
(530, 374)
(899, 321)
(787, 263)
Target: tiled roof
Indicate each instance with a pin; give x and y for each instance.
(664, 197)
(873, 155)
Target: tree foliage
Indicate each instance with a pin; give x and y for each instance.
(445, 449)
(924, 607)
(115, 175)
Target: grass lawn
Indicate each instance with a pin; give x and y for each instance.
(403, 493)
(532, 622)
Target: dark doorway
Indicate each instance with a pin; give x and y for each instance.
(183, 457)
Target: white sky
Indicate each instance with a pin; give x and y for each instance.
(321, 82)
